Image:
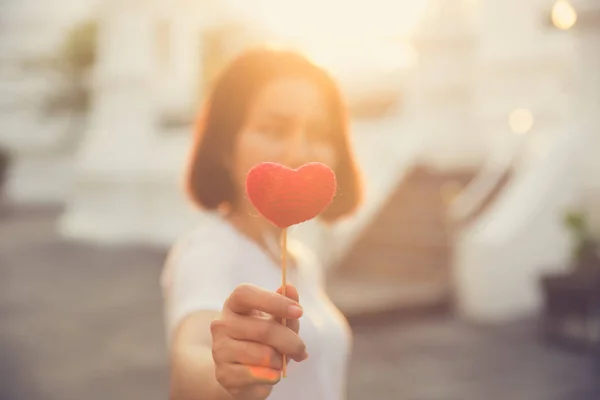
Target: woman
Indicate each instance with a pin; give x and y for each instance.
(220, 281)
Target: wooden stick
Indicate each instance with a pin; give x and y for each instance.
(284, 283)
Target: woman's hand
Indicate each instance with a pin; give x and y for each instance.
(248, 340)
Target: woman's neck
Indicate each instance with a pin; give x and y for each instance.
(248, 222)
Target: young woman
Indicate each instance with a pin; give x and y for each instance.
(221, 281)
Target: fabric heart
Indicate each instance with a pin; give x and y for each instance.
(288, 196)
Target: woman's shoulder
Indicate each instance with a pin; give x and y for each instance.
(211, 228)
(212, 233)
(210, 246)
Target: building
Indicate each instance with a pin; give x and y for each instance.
(31, 34)
(485, 113)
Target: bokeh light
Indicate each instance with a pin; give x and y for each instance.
(520, 120)
(564, 15)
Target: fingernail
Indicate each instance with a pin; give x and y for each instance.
(295, 311)
(300, 358)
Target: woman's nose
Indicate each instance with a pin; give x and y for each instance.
(299, 152)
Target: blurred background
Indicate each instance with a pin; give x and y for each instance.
(471, 272)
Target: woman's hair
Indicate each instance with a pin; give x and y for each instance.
(209, 180)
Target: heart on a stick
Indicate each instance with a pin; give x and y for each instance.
(288, 196)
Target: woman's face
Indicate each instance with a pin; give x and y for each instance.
(288, 124)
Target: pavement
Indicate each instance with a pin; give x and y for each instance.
(81, 321)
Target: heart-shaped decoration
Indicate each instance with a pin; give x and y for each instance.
(288, 196)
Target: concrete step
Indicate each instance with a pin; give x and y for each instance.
(411, 236)
(402, 259)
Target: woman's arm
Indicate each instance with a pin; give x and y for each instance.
(192, 365)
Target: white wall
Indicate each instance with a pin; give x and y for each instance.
(501, 257)
(441, 93)
(32, 33)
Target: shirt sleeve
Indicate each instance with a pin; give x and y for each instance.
(198, 275)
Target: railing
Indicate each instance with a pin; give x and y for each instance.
(478, 195)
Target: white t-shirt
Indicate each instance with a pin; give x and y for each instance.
(205, 266)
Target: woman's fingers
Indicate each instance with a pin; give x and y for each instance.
(261, 330)
(239, 377)
(255, 354)
(248, 340)
(246, 299)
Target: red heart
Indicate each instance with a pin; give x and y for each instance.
(288, 196)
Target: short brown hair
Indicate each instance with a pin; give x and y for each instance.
(208, 180)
